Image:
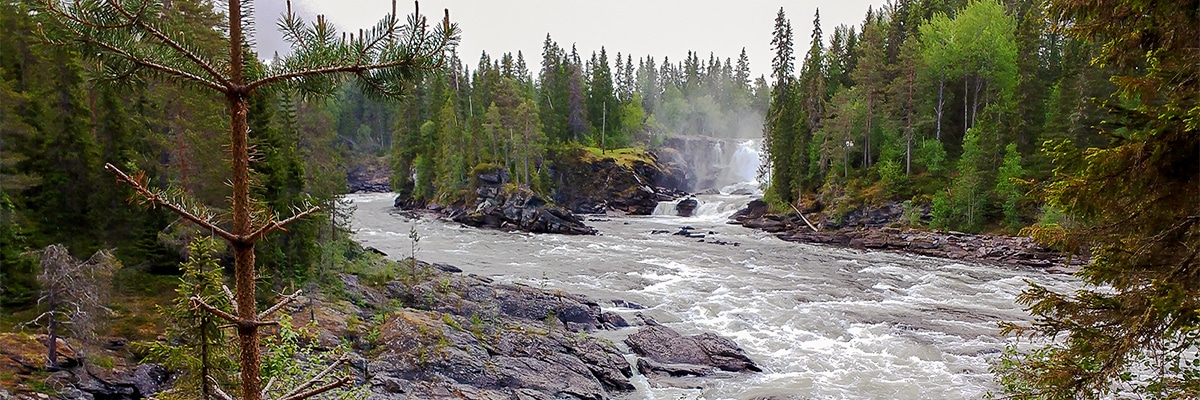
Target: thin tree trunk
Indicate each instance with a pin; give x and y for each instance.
(508, 151)
(243, 250)
(526, 152)
(975, 105)
(966, 94)
(52, 334)
(940, 103)
(603, 125)
(912, 76)
(867, 134)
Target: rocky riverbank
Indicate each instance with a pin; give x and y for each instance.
(873, 228)
(436, 333)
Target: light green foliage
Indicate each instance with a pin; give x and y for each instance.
(931, 155)
(292, 359)
(196, 345)
(1008, 185)
(891, 175)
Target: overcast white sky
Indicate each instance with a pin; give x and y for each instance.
(647, 27)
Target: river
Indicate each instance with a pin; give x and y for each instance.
(824, 323)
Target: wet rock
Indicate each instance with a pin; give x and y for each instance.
(447, 268)
(628, 304)
(522, 210)
(480, 340)
(614, 320)
(592, 186)
(686, 207)
(369, 177)
(667, 352)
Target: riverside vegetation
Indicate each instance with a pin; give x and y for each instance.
(1070, 121)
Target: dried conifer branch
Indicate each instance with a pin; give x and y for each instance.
(267, 387)
(276, 225)
(295, 393)
(344, 381)
(217, 388)
(287, 299)
(229, 295)
(155, 198)
(216, 311)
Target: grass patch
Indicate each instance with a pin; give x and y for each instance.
(624, 156)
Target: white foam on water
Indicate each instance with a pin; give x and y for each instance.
(824, 323)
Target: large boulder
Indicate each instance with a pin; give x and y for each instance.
(686, 207)
(665, 352)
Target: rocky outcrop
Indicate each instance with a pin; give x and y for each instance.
(504, 206)
(518, 209)
(686, 207)
(465, 336)
(632, 185)
(946, 244)
(664, 352)
(870, 228)
(369, 176)
(23, 356)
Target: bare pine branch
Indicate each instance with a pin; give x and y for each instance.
(216, 311)
(153, 197)
(224, 396)
(318, 378)
(272, 226)
(229, 295)
(284, 302)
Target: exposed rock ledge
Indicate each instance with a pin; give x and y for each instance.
(873, 233)
(436, 333)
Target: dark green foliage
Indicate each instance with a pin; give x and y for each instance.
(1132, 329)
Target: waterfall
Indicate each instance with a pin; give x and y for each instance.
(745, 161)
(711, 207)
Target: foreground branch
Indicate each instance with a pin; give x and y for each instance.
(344, 381)
(287, 299)
(198, 302)
(298, 392)
(277, 225)
(155, 198)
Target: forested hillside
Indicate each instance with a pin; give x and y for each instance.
(59, 128)
(947, 105)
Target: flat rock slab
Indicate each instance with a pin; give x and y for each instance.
(665, 352)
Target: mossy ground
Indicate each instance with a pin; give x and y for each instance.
(623, 156)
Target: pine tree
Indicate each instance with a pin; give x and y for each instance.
(383, 59)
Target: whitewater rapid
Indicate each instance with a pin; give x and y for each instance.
(824, 323)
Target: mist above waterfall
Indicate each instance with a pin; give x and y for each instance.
(715, 164)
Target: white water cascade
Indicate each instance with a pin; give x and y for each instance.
(743, 163)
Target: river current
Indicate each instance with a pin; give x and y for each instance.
(822, 322)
